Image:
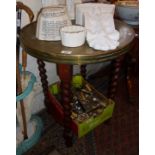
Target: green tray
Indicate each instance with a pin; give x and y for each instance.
(92, 122)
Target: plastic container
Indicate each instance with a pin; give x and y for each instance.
(28, 143)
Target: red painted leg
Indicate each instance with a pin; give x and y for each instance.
(65, 73)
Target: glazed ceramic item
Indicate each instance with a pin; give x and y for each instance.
(81, 9)
(71, 5)
(73, 36)
(105, 37)
(49, 22)
(128, 11)
(101, 32)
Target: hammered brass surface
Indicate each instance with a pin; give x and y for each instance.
(53, 51)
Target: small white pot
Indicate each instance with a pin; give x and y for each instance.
(73, 36)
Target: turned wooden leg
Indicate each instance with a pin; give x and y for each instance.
(132, 74)
(83, 70)
(130, 83)
(131, 79)
(115, 76)
(65, 73)
(43, 77)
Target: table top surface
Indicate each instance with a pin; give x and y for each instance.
(54, 51)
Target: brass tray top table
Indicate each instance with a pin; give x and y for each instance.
(65, 58)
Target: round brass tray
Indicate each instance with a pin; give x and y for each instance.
(54, 51)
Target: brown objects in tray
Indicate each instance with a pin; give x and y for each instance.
(86, 103)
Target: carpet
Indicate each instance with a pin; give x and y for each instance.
(118, 136)
(52, 139)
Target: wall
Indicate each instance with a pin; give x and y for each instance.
(35, 5)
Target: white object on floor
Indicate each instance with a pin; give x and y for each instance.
(99, 23)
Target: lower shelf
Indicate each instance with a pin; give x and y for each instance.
(80, 128)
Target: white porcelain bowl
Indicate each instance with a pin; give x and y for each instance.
(73, 36)
(128, 11)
